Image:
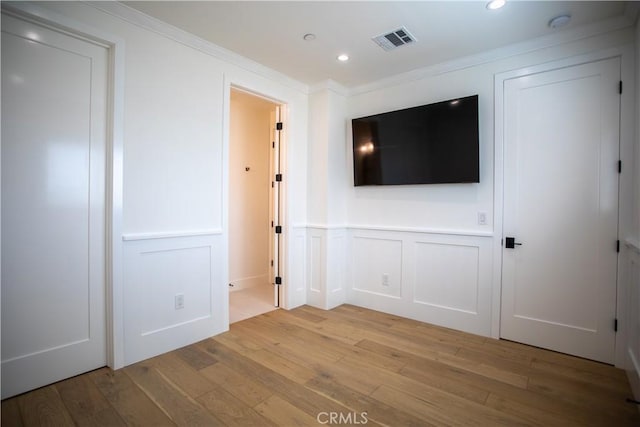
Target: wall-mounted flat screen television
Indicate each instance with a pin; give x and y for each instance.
(430, 144)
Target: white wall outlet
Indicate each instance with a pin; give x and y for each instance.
(482, 218)
(179, 301)
(385, 279)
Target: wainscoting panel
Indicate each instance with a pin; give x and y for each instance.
(296, 283)
(317, 263)
(631, 260)
(377, 266)
(158, 274)
(446, 276)
(439, 278)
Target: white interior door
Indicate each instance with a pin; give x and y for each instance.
(274, 205)
(54, 98)
(561, 152)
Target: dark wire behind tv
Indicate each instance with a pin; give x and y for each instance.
(430, 144)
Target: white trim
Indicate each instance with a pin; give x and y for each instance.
(170, 234)
(324, 226)
(115, 153)
(632, 244)
(331, 85)
(473, 233)
(567, 36)
(422, 230)
(626, 120)
(185, 38)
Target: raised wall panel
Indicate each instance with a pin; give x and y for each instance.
(374, 259)
(438, 278)
(156, 270)
(632, 270)
(316, 266)
(296, 283)
(446, 276)
(169, 272)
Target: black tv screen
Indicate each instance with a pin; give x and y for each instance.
(430, 144)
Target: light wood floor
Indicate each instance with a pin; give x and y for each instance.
(289, 368)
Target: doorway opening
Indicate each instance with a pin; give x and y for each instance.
(255, 200)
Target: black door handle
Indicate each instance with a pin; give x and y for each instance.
(510, 242)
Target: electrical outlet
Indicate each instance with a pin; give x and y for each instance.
(385, 279)
(179, 301)
(482, 218)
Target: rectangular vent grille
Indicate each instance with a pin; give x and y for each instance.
(394, 39)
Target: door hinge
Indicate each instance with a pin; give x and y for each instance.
(279, 126)
(278, 177)
(278, 280)
(271, 263)
(278, 229)
(620, 87)
(615, 325)
(271, 223)
(619, 166)
(617, 245)
(273, 144)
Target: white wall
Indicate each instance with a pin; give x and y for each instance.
(630, 255)
(176, 112)
(327, 207)
(425, 239)
(249, 226)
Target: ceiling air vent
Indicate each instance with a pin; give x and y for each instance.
(394, 39)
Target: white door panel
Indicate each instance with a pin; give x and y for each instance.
(561, 203)
(54, 91)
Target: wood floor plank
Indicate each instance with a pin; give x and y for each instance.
(131, 403)
(305, 399)
(173, 401)
(430, 372)
(243, 387)
(86, 404)
(230, 410)
(10, 413)
(195, 357)
(44, 407)
(182, 374)
(359, 403)
(282, 413)
(289, 367)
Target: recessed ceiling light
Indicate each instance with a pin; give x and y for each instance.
(343, 57)
(309, 37)
(559, 21)
(496, 4)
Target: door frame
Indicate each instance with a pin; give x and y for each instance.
(114, 167)
(283, 255)
(625, 198)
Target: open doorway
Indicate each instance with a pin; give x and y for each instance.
(254, 202)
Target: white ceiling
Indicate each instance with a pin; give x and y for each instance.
(270, 32)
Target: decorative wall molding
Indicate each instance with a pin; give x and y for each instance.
(443, 279)
(170, 234)
(147, 22)
(158, 270)
(505, 52)
(633, 244)
(474, 233)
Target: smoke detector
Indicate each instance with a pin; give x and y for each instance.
(394, 39)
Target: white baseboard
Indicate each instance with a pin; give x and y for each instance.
(249, 282)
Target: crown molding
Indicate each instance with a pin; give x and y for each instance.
(567, 36)
(185, 38)
(329, 85)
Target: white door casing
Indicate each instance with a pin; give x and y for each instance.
(54, 167)
(561, 149)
